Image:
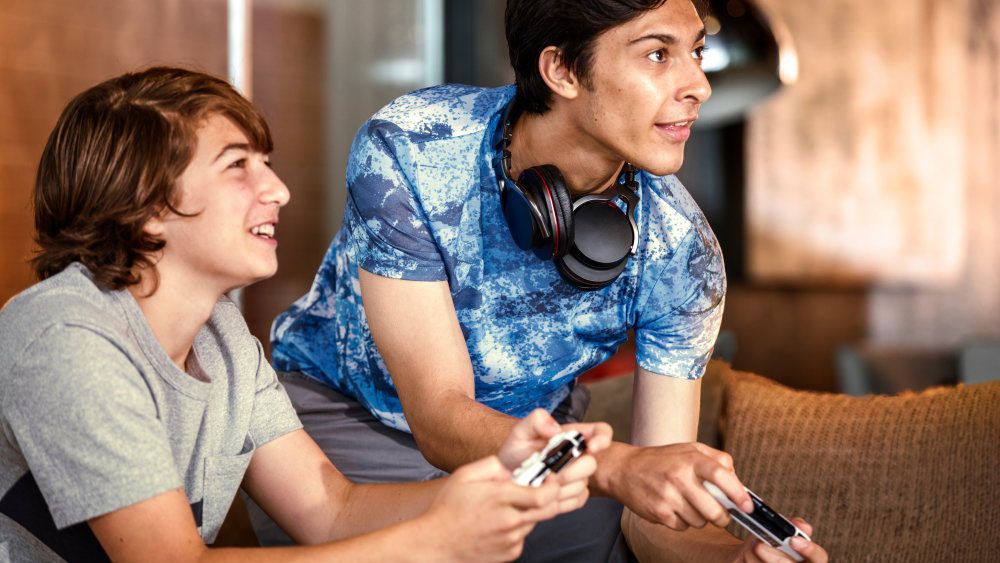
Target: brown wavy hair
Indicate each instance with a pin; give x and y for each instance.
(112, 163)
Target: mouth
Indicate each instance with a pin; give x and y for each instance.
(687, 122)
(264, 230)
(677, 130)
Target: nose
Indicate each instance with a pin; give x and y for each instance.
(695, 87)
(272, 189)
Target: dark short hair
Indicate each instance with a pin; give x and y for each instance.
(570, 25)
(113, 161)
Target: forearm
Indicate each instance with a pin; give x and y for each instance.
(611, 467)
(452, 429)
(655, 543)
(413, 540)
(371, 507)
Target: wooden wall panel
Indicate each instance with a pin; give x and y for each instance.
(793, 335)
(289, 79)
(856, 173)
(50, 50)
(969, 309)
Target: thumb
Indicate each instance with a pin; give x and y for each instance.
(486, 469)
(538, 424)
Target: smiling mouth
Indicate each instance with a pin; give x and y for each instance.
(265, 230)
(685, 123)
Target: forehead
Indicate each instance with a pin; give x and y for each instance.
(675, 18)
(215, 132)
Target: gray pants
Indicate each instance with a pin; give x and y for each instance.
(366, 451)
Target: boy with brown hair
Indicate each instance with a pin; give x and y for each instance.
(135, 401)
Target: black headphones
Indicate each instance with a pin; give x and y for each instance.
(589, 239)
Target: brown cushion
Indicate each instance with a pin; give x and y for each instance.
(913, 477)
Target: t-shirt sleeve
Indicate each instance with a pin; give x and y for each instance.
(87, 425)
(388, 231)
(680, 320)
(273, 413)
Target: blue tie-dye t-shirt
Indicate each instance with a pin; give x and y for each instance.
(423, 203)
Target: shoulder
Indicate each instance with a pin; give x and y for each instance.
(227, 320)
(438, 113)
(667, 198)
(681, 253)
(670, 215)
(226, 340)
(70, 298)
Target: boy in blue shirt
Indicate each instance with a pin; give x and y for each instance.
(429, 327)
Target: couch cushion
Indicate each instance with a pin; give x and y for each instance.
(913, 477)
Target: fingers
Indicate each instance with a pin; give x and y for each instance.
(526, 498)
(768, 554)
(538, 424)
(527, 436)
(534, 504)
(759, 551)
(580, 469)
(598, 434)
(708, 507)
(571, 489)
(720, 457)
(811, 551)
(727, 481)
(803, 525)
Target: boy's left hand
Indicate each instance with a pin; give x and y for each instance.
(533, 432)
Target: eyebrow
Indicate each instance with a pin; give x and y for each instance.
(232, 147)
(666, 38)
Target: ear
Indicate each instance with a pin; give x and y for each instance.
(560, 79)
(155, 225)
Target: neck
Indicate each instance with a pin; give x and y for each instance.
(176, 311)
(553, 138)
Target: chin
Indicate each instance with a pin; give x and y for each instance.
(663, 168)
(664, 163)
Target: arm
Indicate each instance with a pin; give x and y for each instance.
(476, 514)
(666, 412)
(324, 505)
(417, 333)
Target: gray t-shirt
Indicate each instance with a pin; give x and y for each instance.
(95, 417)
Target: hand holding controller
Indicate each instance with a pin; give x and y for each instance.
(561, 449)
(764, 523)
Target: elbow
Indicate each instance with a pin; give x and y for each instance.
(433, 447)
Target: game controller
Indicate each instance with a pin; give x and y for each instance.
(561, 449)
(769, 526)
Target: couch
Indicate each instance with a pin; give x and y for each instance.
(912, 477)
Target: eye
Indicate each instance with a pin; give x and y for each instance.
(267, 162)
(699, 53)
(239, 163)
(657, 56)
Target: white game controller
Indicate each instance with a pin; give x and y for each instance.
(561, 449)
(770, 527)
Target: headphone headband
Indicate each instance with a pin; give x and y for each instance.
(590, 239)
(503, 137)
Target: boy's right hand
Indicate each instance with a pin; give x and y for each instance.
(663, 484)
(481, 515)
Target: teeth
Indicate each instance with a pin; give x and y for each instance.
(265, 230)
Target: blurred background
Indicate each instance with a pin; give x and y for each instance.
(848, 160)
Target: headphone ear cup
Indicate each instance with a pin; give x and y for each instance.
(524, 229)
(585, 277)
(549, 188)
(602, 236)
